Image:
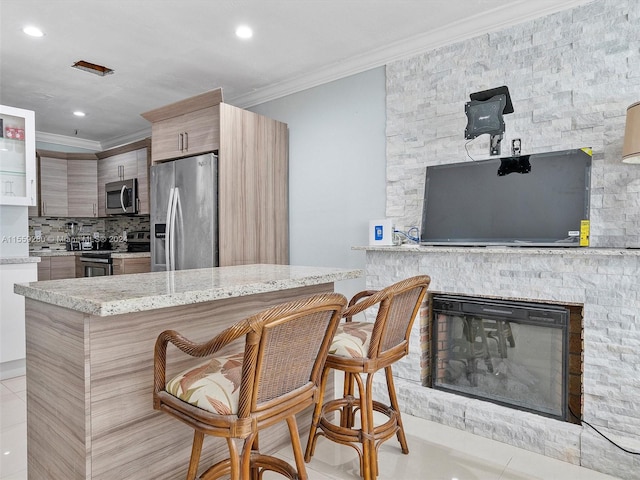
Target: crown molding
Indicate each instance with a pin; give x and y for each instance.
(126, 139)
(92, 145)
(68, 141)
(490, 21)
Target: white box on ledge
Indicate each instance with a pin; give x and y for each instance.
(381, 232)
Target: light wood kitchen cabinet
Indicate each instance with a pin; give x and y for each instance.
(44, 269)
(67, 185)
(124, 266)
(82, 183)
(57, 268)
(186, 128)
(52, 184)
(123, 163)
(253, 166)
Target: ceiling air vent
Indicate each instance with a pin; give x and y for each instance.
(92, 68)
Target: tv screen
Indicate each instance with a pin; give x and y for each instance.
(530, 200)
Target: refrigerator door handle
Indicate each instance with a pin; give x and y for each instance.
(175, 235)
(167, 237)
(172, 229)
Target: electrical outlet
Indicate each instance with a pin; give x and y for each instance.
(38, 234)
(124, 234)
(515, 147)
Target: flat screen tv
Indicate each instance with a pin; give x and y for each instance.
(529, 200)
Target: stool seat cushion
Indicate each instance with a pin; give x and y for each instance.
(352, 340)
(213, 385)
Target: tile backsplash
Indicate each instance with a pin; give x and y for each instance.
(53, 230)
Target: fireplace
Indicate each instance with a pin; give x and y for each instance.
(509, 352)
(599, 287)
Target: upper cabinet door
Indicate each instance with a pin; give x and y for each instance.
(186, 135)
(82, 181)
(17, 157)
(186, 128)
(53, 187)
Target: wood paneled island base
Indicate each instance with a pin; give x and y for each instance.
(90, 379)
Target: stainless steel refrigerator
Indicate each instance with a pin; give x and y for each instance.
(184, 213)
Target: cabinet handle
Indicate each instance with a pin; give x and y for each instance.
(44, 208)
(94, 209)
(180, 138)
(186, 141)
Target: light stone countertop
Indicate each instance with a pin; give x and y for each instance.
(118, 294)
(18, 260)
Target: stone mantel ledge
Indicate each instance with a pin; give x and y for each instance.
(119, 294)
(571, 251)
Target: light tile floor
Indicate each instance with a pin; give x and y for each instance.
(437, 453)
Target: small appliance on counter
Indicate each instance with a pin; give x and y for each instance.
(98, 244)
(73, 244)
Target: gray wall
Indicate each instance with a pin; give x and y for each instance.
(336, 169)
(571, 77)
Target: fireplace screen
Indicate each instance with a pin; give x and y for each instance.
(510, 353)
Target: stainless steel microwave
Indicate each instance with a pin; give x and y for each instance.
(121, 197)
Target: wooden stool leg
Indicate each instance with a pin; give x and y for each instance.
(297, 448)
(367, 434)
(346, 413)
(394, 404)
(196, 450)
(311, 443)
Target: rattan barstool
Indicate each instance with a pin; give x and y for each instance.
(363, 348)
(244, 387)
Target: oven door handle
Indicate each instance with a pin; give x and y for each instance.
(94, 260)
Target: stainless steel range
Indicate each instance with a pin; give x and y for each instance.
(100, 264)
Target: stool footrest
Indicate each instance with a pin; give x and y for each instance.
(258, 461)
(341, 434)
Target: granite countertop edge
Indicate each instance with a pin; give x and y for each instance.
(18, 260)
(65, 253)
(55, 292)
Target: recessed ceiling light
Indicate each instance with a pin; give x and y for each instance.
(78, 113)
(244, 31)
(33, 31)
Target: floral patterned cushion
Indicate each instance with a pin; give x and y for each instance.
(213, 385)
(352, 339)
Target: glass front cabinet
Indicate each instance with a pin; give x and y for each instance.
(17, 157)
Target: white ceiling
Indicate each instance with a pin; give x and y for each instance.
(167, 50)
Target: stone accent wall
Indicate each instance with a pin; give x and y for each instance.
(604, 280)
(571, 77)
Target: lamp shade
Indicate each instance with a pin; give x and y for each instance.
(631, 146)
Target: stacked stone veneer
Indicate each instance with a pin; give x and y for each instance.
(571, 77)
(604, 281)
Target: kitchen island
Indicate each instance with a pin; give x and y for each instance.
(90, 363)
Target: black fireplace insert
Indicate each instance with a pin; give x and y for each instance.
(511, 353)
